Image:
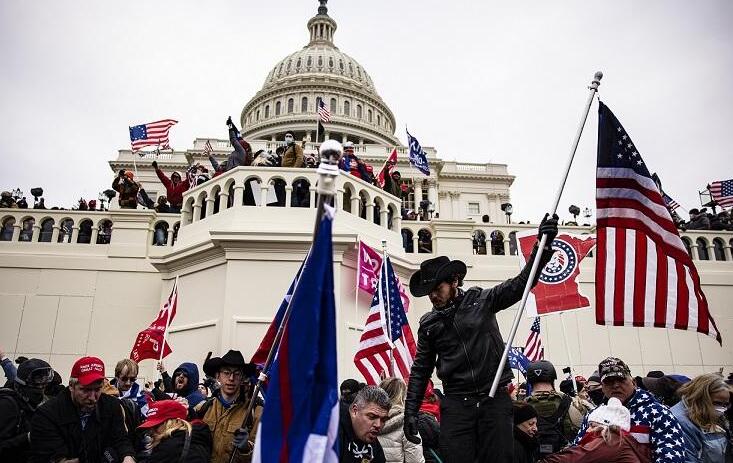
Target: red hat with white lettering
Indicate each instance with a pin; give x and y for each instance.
(88, 370)
(164, 410)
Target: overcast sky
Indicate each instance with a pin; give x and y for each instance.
(485, 81)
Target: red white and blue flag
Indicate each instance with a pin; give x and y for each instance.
(386, 349)
(300, 421)
(151, 134)
(533, 349)
(722, 192)
(387, 168)
(644, 275)
(669, 202)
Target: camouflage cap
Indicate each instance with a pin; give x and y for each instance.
(613, 367)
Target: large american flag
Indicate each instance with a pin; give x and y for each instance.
(323, 111)
(644, 275)
(533, 349)
(373, 357)
(151, 134)
(669, 202)
(722, 192)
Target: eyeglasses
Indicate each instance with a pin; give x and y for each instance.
(125, 379)
(236, 374)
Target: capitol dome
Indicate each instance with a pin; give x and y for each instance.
(288, 98)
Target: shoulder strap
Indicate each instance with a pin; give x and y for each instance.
(562, 409)
(186, 446)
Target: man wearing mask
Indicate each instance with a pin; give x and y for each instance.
(18, 403)
(81, 424)
(461, 337)
(293, 156)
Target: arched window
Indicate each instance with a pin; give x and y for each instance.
(407, 240)
(65, 229)
(304, 104)
(267, 111)
(309, 61)
(297, 64)
(278, 107)
(46, 231)
(379, 119)
(719, 249)
(358, 111)
(257, 115)
(160, 235)
(320, 61)
(26, 231)
(512, 243)
(7, 232)
(341, 65)
(369, 115)
(291, 105)
(85, 232)
(479, 242)
(330, 62)
(702, 249)
(104, 235)
(332, 108)
(497, 243)
(347, 108)
(424, 242)
(688, 245)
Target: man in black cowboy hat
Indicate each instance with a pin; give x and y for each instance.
(224, 412)
(461, 337)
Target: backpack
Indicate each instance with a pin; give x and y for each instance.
(550, 429)
(10, 394)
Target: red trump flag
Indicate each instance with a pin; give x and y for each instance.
(150, 342)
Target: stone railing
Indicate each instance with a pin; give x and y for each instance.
(287, 188)
(56, 226)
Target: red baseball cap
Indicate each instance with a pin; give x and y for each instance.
(88, 370)
(164, 410)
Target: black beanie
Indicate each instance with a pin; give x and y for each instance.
(523, 412)
(350, 385)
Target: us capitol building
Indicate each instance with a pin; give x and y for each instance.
(87, 282)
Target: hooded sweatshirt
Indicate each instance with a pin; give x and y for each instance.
(174, 193)
(191, 391)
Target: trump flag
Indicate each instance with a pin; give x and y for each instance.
(151, 340)
(557, 289)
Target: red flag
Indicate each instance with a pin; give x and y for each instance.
(557, 289)
(387, 168)
(370, 261)
(151, 340)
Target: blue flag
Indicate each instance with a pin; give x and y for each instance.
(300, 419)
(517, 359)
(418, 158)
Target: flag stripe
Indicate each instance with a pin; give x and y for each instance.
(640, 277)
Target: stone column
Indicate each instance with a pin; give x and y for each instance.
(312, 196)
(414, 243)
(185, 217)
(263, 194)
(75, 234)
(695, 253)
(384, 217)
(95, 234)
(728, 252)
(456, 205)
(433, 194)
(445, 195)
(397, 223)
(238, 195)
(223, 200)
(196, 213)
(355, 204)
(210, 206)
(55, 233)
(288, 195)
(506, 246)
(169, 242)
(36, 232)
(339, 205)
(16, 232)
(417, 185)
(370, 212)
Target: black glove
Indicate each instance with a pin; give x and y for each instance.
(241, 440)
(229, 122)
(410, 428)
(548, 227)
(155, 164)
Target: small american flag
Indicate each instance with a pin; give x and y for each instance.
(207, 148)
(533, 349)
(323, 111)
(669, 202)
(644, 275)
(722, 192)
(373, 357)
(150, 134)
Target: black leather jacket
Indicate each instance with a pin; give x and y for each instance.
(462, 340)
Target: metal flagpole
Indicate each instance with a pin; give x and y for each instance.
(389, 308)
(167, 321)
(570, 358)
(327, 172)
(536, 262)
(357, 270)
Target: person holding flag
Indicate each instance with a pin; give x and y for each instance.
(461, 337)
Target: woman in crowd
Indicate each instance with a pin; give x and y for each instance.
(700, 413)
(172, 439)
(525, 433)
(397, 448)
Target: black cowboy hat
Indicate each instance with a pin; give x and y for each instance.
(234, 359)
(434, 271)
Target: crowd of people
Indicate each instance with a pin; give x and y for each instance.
(701, 219)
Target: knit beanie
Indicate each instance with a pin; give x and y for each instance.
(612, 414)
(523, 412)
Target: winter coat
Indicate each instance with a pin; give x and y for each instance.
(652, 424)
(463, 341)
(15, 423)
(526, 449)
(223, 422)
(127, 189)
(429, 429)
(593, 449)
(174, 193)
(169, 450)
(242, 154)
(56, 431)
(293, 156)
(353, 450)
(705, 447)
(191, 391)
(391, 186)
(397, 449)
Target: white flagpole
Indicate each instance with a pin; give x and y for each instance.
(533, 271)
(168, 319)
(570, 358)
(357, 269)
(389, 309)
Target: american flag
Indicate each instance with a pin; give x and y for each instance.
(644, 275)
(323, 111)
(207, 148)
(533, 349)
(722, 192)
(376, 349)
(669, 202)
(152, 133)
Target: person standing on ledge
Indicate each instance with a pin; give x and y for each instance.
(460, 336)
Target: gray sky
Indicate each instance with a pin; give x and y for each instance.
(480, 81)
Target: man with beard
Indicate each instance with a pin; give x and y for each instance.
(18, 403)
(185, 382)
(360, 424)
(81, 424)
(224, 412)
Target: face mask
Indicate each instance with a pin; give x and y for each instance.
(596, 396)
(34, 396)
(289, 140)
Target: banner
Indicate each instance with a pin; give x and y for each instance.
(151, 340)
(369, 265)
(557, 289)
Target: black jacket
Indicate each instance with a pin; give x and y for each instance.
(56, 431)
(525, 448)
(15, 423)
(351, 449)
(463, 340)
(170, 450)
